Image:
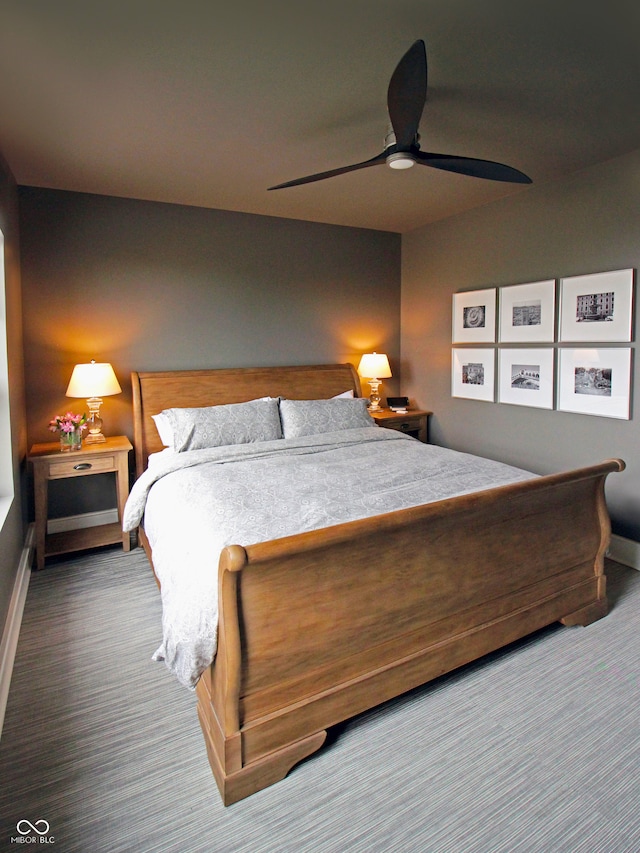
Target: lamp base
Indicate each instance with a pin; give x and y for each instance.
(94, 438)
(94, 422)
(374, 397)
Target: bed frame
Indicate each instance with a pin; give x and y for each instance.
(321, 626)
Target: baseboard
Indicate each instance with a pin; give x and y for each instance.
(625, 551)
(86, 519)
(9, 642)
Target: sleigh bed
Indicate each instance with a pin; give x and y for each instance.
(317, 626)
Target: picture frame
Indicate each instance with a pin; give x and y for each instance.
(595, 381)
(473, 373)
(527, 312)
(597, 307)
(474, 317)
(526, 377)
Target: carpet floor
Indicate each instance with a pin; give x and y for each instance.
(533, 749)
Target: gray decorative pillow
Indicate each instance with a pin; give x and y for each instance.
(312, 417)
(215, 426)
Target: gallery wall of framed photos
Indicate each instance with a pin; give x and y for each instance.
(554, 344)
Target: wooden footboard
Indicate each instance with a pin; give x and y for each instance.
(318, 627)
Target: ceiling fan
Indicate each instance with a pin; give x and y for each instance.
(406, 98)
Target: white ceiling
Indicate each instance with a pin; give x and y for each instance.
(206, 103)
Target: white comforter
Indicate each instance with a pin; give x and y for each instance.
(195, 503)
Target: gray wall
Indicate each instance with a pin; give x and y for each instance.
(587, 223)
(151, 286)
(12, 531)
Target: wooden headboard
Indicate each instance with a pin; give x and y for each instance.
(153, 392)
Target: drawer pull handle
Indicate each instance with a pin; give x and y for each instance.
(405, 426)
(82, 466)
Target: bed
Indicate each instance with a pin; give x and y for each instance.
(316, 626)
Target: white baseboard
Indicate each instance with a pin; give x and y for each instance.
(86, 519)
(625, 551)
(9, 642)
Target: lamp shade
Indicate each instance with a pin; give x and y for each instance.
(374, 365)
(93, 380)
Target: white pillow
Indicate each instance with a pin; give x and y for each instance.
(312, 417)
(344, 394)
(165, 430)
(215, 426)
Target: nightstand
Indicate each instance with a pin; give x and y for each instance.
(50, 464)
(412, 422)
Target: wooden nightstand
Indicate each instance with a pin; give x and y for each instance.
(413, 422)
(50, 464)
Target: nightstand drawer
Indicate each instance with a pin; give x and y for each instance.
(412, 422)
(402, 426)
(75, 467)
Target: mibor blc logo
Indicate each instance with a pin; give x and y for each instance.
(33, 833)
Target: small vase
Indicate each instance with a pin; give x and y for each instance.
(70, 441)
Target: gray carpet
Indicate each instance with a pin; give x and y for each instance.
(534, 749)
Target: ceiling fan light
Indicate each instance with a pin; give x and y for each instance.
(400, 160)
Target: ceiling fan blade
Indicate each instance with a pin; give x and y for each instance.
(470, 166)
(407, 94)
(320, 176)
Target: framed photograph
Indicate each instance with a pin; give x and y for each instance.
(474, 317)
(473, 374)
(525, 377)
(527, 312)
(595, 381)
(597, 307)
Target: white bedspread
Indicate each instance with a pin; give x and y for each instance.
(195, 503)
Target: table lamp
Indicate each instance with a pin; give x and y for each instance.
(374, 367)
(93, 381)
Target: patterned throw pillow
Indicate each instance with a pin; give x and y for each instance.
(312, 417)
(215, 426)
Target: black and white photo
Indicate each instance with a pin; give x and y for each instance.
(596, 308)
(527, 312)
(473, 373)
(525, 377)
(595, 381)
(474, 317)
